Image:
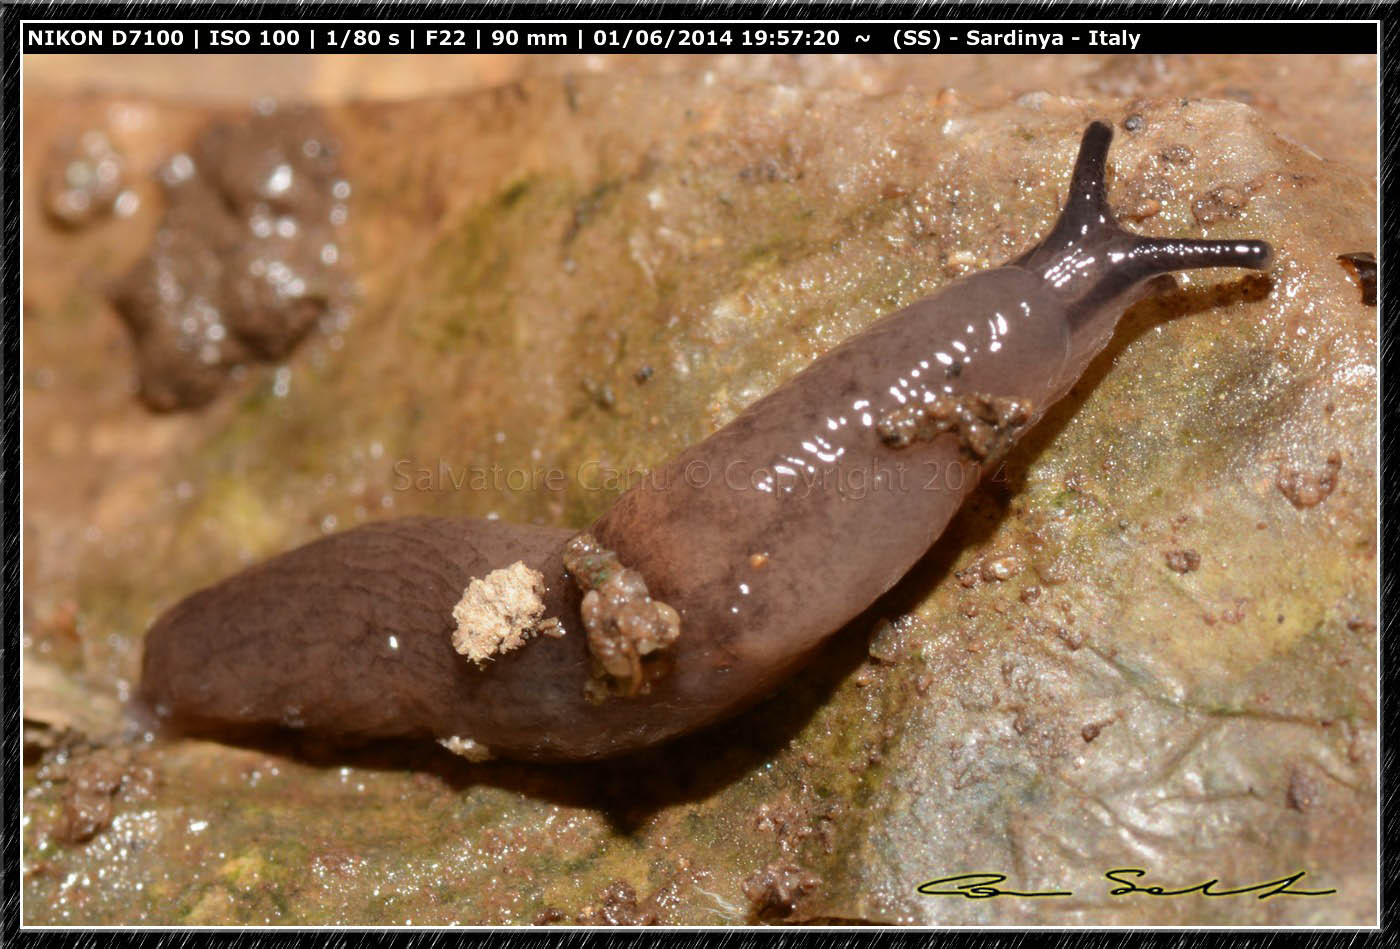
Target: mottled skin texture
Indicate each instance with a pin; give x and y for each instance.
(800, 479)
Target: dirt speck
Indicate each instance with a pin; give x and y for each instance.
(1310, 489)
(1226, 201)
(1235, 612)
(467, 748)
(1177, 154)
(1303, 788)
(1073, 638)
(601, 393)
(1001, 568)
(1183, 561)
(775, 890)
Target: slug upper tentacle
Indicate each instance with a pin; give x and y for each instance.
(1094, 263)
(691, 597)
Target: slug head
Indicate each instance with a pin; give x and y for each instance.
(1097, 269)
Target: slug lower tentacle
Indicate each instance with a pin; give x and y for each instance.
(703, 586)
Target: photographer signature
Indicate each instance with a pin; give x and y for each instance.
(983, 886)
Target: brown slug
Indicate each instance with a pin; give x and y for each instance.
(705, 585)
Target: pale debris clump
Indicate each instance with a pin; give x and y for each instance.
(468, 748)
(500, 612)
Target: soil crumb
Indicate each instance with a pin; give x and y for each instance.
(984, 424)
(1303, 791)
(500, 612)
(623, 622)
(1310, 490)
(1183, 561)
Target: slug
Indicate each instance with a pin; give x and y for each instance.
(705, 585)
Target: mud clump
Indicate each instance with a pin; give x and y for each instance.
(985, 424)
(246, 259)
(83, 179)
(794, 823)
(624, 624)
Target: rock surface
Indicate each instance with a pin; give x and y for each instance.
(566, 280)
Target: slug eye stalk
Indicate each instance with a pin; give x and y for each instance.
(1090, 260)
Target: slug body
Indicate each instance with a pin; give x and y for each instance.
(765, 538)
